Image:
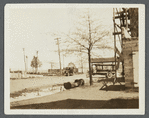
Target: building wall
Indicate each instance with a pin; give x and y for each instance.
(136, 68)
(129, 47)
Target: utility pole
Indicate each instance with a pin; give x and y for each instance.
(37, 60)
(24, 59)
(37, 54)
(59, 54)
(26, 63)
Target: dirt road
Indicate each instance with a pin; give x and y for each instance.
(20, 84)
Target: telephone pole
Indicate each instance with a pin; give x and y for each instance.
(37, 54)
(26, 63)
(37, 60)
(59, 55)
(24, 59)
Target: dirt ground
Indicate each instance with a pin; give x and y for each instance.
(21, 84)
(85, 97)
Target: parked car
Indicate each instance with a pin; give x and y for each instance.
(68, 71)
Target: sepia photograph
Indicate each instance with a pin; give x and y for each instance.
(74, 59)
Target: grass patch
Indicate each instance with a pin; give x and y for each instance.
(19, 93)
(30, 90)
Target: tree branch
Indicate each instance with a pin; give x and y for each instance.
(95, 41)
(76, 41)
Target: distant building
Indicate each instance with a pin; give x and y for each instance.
(71, 65)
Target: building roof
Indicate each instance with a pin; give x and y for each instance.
(100, 60)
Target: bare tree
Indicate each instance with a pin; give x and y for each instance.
(35, 63)
(88, 34)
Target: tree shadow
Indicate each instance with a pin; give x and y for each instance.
(85, 104)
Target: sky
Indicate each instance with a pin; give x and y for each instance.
(32, 28)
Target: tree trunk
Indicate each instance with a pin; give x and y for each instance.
(36, 70)
(90, 70)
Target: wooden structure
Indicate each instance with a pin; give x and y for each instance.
(102, 66)
(126, 30)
